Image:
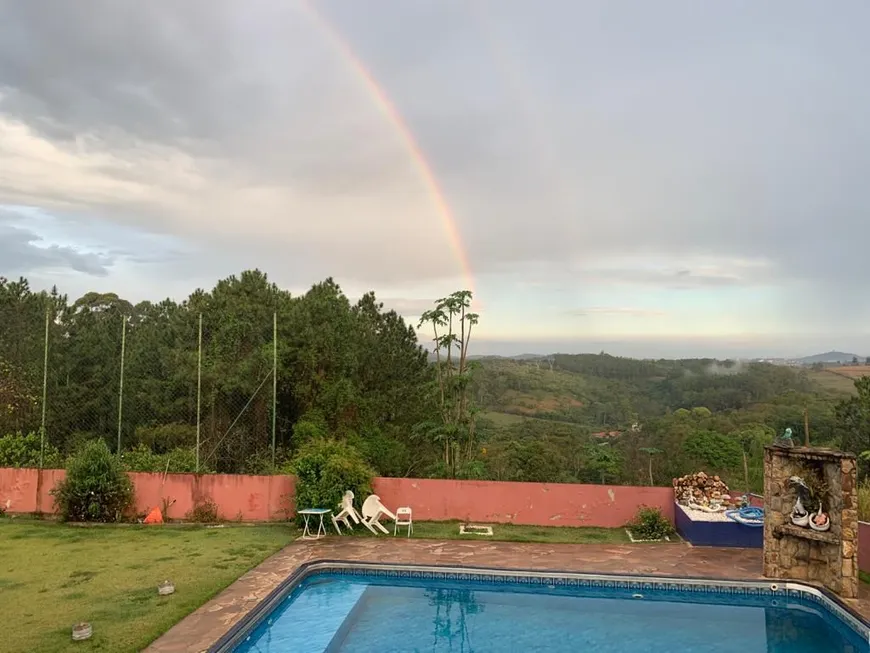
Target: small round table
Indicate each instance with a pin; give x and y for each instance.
(321, 530)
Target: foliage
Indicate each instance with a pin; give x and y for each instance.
(261, 464)
(96, 487)
(22, 450)
(178, 461)
(853, 420)
(713, 450)
(355, 372)
(650, 524)
(452, 321)
(204, 511)
(343, 367)
(325, 470)
(166, 437)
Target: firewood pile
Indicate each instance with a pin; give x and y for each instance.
(699, 489)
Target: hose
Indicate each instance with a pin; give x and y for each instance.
(748, 516)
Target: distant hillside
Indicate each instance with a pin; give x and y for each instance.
(595, 417)
(831, 357)
(605, 392)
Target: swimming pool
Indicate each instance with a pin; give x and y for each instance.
(360, 608)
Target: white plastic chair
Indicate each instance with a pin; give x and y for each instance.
(372, 511)
(347, 513)
(403, 518)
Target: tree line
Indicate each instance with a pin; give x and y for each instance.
(349, 370)
(282, 369)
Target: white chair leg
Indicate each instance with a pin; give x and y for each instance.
(380, 526)
(369, 526)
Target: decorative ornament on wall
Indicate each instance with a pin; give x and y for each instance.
(800, 516)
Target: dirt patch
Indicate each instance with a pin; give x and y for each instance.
(851, 371)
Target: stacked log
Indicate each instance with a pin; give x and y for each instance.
(701, 489)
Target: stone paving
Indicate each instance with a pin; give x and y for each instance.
(206, 625)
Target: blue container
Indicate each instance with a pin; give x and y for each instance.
(717, 533)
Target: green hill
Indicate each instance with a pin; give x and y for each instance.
(595, 418)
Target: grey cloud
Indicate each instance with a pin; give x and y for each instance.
(560, 131)
(21, 254)
(681, 279)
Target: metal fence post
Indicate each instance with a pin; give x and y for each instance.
(198, 388)
(274, 380)
(121, 381)
(44, 391)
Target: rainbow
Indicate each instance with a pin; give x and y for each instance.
(415, 152)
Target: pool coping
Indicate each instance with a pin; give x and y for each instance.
(827, 599)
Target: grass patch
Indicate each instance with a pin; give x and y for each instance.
(53, 575)
(833, 382)
(449, 530)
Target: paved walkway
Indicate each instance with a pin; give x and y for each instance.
(206, 625)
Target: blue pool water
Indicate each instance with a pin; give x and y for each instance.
(334, 613)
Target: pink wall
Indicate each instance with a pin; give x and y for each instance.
(255, 498)
(864, 546)
(251, 498)
(538, 504)
(263, 498)
(20, 489)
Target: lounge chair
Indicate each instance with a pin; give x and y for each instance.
(372, 511)
(347, 514)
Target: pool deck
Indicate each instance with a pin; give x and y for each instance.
(206, 625)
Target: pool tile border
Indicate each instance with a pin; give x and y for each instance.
(768, 589)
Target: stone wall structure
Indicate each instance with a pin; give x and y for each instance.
(828, 558)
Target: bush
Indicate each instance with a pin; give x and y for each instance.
(22, 450)
(650, 524)
(166, 437)
(203, 512)
(96, 487)
(260, 463)
(178, 461)
(325, 470)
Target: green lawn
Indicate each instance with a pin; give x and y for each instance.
(52, 576)
(510, 533)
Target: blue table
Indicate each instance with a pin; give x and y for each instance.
(314, 512)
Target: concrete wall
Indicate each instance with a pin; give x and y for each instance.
(538, 504)
(263, 498)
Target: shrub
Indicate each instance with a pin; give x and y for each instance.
(96, 487)
(166, 437)
(325, 470)
(260, 463)
(388, 456)
(204, 511)
(178, 461)
(22, 450)
(650, 524)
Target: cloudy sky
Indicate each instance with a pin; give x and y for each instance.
(649, 178)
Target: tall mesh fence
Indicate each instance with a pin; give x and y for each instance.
(183, 388)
